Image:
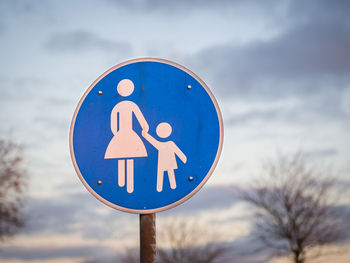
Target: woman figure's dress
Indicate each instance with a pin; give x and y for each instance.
(125, 142)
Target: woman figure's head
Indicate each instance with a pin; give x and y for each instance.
(125, 87)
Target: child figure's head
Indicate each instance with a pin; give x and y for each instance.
(163, 130)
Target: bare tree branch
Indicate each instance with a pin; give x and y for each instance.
(295, 207)
(188, 242)
(13, 184)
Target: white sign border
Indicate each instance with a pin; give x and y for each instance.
(155, 210)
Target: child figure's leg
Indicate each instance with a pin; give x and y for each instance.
(130, 175)
(121, 173)
(172, 179)
(160, 175)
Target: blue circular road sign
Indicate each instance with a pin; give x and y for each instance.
(146, 136)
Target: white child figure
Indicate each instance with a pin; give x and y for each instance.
(166, 154)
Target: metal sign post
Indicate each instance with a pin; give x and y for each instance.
(148, 249)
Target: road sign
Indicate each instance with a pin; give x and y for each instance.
(146, 136)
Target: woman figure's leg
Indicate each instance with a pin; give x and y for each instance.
(172, 181)
(160, 175)
(130, 175)
(121, 172)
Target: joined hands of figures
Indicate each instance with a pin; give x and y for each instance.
(145, 130)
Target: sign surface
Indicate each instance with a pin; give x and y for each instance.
(146, 136)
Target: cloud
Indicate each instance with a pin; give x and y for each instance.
(21, 6)
(312, 49)
(32, 252)
(209, 198)
(260, 115)
(46, 214)
(308, 109)
(2, 28)
(80, 213)
(306, 53)
(83, 41)
(248, 249)
(322, 153)
(12, 12)
(184, 5)
(342, 213)
(320, 10)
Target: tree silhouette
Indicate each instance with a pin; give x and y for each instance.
(295, 208)
(182, 240)
(188, 242)
(12, 185)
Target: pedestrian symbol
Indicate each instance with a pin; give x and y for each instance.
(166, 155)
(146, 136)
(127, 144)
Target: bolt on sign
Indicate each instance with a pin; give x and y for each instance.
(146, 136)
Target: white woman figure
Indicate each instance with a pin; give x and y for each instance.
(126, 144)
(166, 154)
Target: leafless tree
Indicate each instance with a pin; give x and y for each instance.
(131, 255)
(188, 242)
(295, 208)
(12, 185)
(180, 240)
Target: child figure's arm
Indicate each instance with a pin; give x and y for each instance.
(179, 153)
(151, 140)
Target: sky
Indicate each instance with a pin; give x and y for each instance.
(280, 71)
